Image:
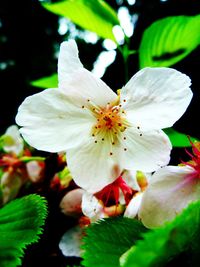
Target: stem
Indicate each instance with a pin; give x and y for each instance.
(125, 59)
(27, 159)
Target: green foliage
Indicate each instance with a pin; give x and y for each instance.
(108, 239)
(46, 82)
(168, 40)
(178, 139)
(93, 15)
(20, 225)
(160, 245)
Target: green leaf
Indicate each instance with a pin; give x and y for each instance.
(108, 239)
(160, 245)
(178, 139)
(46, 82)
(20, 225)
(168, 40)
(93, 15)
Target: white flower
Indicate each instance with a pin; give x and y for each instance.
(101, 132)
(171, 189)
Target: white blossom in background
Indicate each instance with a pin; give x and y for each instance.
(170, 190)
(71, 241)
(12, 140)
(10, 184)
(70, 204)
(104, 133)
(125, 21)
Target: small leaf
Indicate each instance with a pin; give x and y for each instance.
(93, 15)
(46, 82)
(20, 225)
(108, 239)
(178, 139)
(167, 41)
(162, 244)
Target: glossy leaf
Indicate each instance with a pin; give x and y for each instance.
(93, 15)
(162, 244)
(169, 40)
(178, 139)
(46, 82)
(108, 239)
(20, 225)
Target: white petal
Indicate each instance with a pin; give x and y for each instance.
(156, 97)
(170, 190)
(70, 243)
(91, 165)
(147, 152)
(78, 82)
(83, 85)
(53, 123)
(91, 207)
(68, 61)
(133, 206)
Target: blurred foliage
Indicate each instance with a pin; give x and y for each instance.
(94, 15)
(46, 82)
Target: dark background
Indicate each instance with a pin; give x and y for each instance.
(29, 40)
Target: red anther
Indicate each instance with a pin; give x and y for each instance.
(195, 157)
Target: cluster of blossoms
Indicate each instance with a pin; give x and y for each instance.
(17, 165)
(114, 142)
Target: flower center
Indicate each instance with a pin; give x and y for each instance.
(111, 122)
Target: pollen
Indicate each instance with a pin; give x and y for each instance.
(110, 123)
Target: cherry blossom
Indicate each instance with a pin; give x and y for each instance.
(104, 133)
